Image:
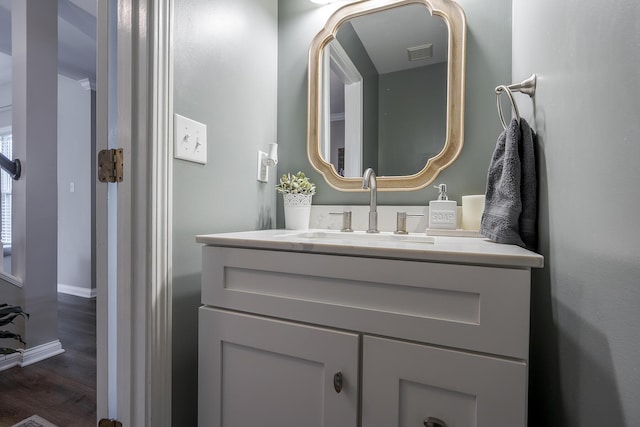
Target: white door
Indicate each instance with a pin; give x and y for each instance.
(114, 400)
(133, 216)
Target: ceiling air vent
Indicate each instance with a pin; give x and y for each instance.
(421, 52)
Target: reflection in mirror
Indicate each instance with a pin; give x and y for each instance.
(385, 80)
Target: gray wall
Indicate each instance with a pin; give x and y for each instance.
(74, 168)
(586, 302)
(5, 99)
(412, 119)
(225, 76)
(35, 194)
(488, 65)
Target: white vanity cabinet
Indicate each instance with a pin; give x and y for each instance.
(294, 334)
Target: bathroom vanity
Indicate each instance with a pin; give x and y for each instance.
(344, 329)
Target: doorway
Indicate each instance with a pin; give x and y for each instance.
(73, 310)
(134, 320)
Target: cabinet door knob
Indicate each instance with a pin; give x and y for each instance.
(434, 422)
(337, 382)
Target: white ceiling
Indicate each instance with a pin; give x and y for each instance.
(386, 36)
(76, 39)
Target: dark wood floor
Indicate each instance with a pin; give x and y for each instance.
(61, 389)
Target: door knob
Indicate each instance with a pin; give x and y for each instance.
(434, 422)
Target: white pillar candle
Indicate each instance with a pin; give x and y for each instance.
(472, 208)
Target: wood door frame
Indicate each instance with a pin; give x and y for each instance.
(141, 321)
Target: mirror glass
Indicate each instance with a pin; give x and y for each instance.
(386, 91)
(385, 106)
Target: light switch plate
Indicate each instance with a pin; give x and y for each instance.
(190, 140)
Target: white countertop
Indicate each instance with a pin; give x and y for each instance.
(466, 250)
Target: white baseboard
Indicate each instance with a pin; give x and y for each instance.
(77, 291)
(31, 355)
(9, 361)
(41, 352)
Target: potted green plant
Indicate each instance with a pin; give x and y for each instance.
(7, 315)
(297, 192)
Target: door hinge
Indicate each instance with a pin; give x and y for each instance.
(109, 423)
(110, 165)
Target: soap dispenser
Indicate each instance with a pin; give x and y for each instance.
(443, 213)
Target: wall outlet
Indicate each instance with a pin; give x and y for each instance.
(190, 140)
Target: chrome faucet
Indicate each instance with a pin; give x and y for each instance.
(369, 182)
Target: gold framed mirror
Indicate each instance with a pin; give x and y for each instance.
(428, 129)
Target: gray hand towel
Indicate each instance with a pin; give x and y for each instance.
(510, 211)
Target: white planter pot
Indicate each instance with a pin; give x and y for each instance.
(297, 210)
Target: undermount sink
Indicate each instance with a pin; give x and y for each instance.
(357, 237)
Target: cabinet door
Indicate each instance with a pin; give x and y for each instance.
(255, 371)
(403, 384)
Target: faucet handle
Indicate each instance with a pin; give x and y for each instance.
(346, 220)
(401, 222)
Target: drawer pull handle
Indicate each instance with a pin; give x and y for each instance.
(434, 422)
(337, 382)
